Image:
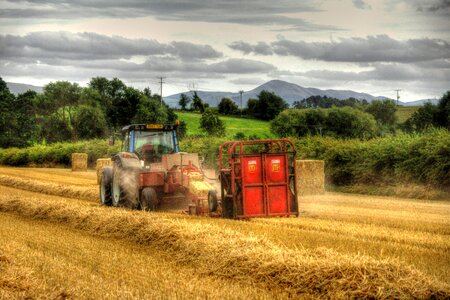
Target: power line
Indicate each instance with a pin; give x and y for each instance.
(161, 81)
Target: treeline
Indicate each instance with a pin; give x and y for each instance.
(356, 119)
(65, 111)
(266, 107)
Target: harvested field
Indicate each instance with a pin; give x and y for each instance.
(342, 246)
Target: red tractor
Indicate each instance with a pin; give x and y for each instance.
(151, 173)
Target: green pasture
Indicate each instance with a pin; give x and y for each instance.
(233, 125)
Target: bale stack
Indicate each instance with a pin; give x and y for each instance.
(310, 177)
(79, 161)
(100, 163)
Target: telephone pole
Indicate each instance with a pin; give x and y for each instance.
(398, 96)
(241, 92)
(161, 81)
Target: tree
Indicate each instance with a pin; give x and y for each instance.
(251, 106)
(63, 95)
(211, 123)
(269, 105)
(423, 118)
(299, 122)
(443, 117)
(197, 103)
(384, 112)
(350, 122)
(184, 101)
(228, 107)
(27, 128)
(430, 115)
(89, 122)
(150, 110)
(8, 121)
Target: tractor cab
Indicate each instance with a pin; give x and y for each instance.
(150, 141)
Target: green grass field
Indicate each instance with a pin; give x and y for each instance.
(404, 112)
(233, 125)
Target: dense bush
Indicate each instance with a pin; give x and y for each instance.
(417, 158)
(344, 122)
(56, 154)
(211, 123)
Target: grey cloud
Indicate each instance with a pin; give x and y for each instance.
(261, 48)
(252, 12)
(437, 6)
(361, 4)
(242, 66)
(385, 72)
(80, 46)
(379, 48)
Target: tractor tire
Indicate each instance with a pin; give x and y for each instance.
(212, 201)
(106, 187)
(124, 187)
(149, 199)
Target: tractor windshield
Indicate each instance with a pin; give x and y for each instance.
(157, 142)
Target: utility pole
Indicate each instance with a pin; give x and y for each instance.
(161, 81)
(241, 92)
(398, 96)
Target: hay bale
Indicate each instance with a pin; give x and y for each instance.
(310, 177)
(79, 161)
(199, 188)
(100, 163)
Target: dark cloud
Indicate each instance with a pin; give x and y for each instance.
(379, 48)
(261, 48)
(93, 46)
(361, 4)
(91, 54)
(251, 12)
(436, 6)
(386, 72)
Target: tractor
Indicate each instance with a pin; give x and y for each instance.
(151, 173)
(257, 177)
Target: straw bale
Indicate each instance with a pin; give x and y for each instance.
(194, 176)
(79, 161)
(102, 162)
(310, 177)
(199, 188)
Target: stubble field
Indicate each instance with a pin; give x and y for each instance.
(56, 241)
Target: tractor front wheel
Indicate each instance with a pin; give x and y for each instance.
(106, 187)
(149, 199)
(124, 187)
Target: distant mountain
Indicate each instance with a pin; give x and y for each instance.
(419, 102)
(288, 91)
(19, 88)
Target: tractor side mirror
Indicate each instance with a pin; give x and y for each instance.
(111, 140)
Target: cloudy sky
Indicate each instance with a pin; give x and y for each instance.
(366, 46)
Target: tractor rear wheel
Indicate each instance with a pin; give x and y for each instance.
(212, 201)
(106, 187)
(124, 187)
(149, 199)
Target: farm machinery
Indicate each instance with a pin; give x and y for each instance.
(150, 173)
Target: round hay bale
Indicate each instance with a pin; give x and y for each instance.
(310, 177)
(100, 163)
(79, 161)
